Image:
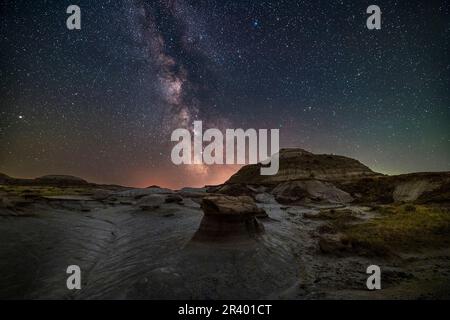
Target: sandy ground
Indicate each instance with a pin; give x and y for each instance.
(127, 253)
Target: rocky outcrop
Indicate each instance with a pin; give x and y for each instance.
(293, 191)
(151, 202)
(192, 190)
(298, 164)
(173, 198)
(140, 193)
(157, 189)
(101, 194)
(155, 201)
(265, 197)
(4, 178)
(440, 195)
(421, 187)
(60, 180)
(304, 176)
(48, 180)
(411, 190)
(229, 218)
(235, 189)
(333, 244)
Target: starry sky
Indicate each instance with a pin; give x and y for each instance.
(101, 102)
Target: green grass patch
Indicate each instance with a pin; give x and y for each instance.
(337, 218)
(401, 228)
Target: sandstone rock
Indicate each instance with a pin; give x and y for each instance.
(101, 194)
(4, 179)
(293, 191)
(411, 190)
(333, 244)
(327, 192)
(150, 202)
(60, 180)
(173, 198)
(235, 190)
(193, 190)
(420, 187)
(187, 202)
(140, 193)
(298, 164)
(261, 213)
(154, 186)
(157, 190)
(228, 218)
(289, 192)
(311, 215)
(257, 189)
(213, 189)
(265, 197)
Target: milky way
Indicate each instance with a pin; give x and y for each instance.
(101, 102)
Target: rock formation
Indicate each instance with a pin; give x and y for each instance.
(4, 178)
(151, 202)
(229, 218)
(421, 187)
(304, 176)
(173, 198)
(412, 189)
(60, 180)
(48, 180)
(265, 197)
(140, 193)
(298, 164)
(293, 191)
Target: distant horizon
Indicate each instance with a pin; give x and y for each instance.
(178, 186)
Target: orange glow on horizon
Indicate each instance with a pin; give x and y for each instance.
(188, 176)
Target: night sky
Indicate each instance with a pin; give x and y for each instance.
(101, 102)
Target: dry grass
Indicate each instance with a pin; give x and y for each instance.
(43, 191)
(401, 228)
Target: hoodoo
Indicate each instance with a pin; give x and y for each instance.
(229, 218)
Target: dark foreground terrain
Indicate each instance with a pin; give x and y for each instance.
(290, 238)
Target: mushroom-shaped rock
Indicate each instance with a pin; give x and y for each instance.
(229, 218)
